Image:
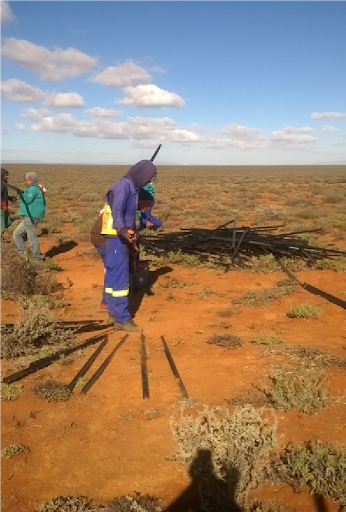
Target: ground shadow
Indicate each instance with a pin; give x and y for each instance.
(320, 503)
(136, 296)
(207, 491)
(61, 248)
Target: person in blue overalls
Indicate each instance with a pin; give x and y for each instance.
(118, 224)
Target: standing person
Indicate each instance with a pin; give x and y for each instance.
(118, 223)
(32, 209)
(145, 201)
(147, 216)
(5, 198)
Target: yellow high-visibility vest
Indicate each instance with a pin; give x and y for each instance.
(107, 221)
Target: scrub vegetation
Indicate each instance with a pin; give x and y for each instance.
(227, 451)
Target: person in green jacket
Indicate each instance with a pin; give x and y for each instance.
(146, 216)
(32, 209)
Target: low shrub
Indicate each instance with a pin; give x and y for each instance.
(293, 391)
(304, 311)
(11, 392)
(258, 298)
(13, 449)
(226, 340)
(36, 328)
(20, 277)
(261, 339)
(225, 451)
(52, 390)
(320, 467)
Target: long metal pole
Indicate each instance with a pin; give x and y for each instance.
(103, 366)
(174, 368)
(87, 365)
(144, 368)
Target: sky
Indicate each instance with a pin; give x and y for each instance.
(214, 82)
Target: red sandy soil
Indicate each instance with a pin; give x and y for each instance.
(90, 446)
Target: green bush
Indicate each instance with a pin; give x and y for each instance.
(13, 449)
(304, 311)
(11, 392)
(320, 467)
(292, 391)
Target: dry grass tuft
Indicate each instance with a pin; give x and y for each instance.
(137, 504)
(36, 328)
(83, 504)
(20, 277)
(261, 339)
(52, 391)
(11, 392)
(293, 390)
(308, 357)
(13, 449)
(67, 504)
(317, 465)
(226, 340)
(225, 451)
(259, 298)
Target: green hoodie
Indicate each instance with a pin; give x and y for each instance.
(32, 203)
(150, 188)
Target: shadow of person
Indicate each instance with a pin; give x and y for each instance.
(207, 491)
(61, 248)
(320, 503)
(136, 296)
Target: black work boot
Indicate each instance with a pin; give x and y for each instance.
(128, 326)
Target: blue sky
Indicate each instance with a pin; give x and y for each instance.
(216, 83)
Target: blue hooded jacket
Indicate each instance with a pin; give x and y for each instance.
(122, 196)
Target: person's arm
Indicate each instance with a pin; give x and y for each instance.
(117, 199)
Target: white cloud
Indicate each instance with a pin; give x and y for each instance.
(239, 136)
(329, 129)
(147, 132)
(102, 112)
(65, 100)
(122, 75)
(6, 13)
(136, 128)
(3, 131)
(151, 96)
(55, 123)
(19, 91)
(328, 115)
(21, 127)
(54, 65)
(292, 136)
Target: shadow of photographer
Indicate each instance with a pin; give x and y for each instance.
(207, 491)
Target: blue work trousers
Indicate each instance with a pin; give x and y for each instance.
(117, 279)
(27, 227)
